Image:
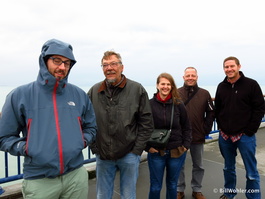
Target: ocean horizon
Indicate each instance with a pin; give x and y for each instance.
(4, 90)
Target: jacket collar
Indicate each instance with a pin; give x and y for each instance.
(46, 79)
(191, 88)
(240, 78)
(103, 85)
(169, 101)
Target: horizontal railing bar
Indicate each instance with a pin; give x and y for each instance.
(11, 178)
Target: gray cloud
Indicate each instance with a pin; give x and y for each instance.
(152, 37)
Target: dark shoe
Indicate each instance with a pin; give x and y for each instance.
(225, 197)
(198, 195)
(180, 195)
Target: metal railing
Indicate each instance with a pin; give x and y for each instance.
(19, 174)
(89, 159)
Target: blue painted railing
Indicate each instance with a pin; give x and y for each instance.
(90, 159)
(19, 175)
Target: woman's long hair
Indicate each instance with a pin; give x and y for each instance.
(174, 90)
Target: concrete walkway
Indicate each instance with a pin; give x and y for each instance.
(213, 179)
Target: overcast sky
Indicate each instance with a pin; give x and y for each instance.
(152, 37)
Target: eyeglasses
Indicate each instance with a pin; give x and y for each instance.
(58, 62)
(112, 64)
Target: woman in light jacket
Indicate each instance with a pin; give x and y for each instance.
(173, 155)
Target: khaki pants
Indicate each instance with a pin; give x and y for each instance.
(73, 185)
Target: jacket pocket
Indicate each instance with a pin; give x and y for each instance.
(81, 131)
(176, 153)
(28, 135)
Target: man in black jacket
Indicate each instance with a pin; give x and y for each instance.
(239, 109)
(200, 110)
(125, 123)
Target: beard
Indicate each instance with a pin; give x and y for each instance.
(111, 81)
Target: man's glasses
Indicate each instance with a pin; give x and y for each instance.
(112, 64)
(58, 62)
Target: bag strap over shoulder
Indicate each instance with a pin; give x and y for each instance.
(191, 96)
(172, 115)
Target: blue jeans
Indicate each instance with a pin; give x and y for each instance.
(106, 171)
(157, 165)
(247, 149)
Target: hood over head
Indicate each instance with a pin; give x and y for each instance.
(49, 48)
(57, 47)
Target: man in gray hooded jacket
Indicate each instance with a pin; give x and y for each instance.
(57, 122)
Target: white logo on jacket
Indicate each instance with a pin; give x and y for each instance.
(71, 103)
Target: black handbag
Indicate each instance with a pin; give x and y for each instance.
(159, 137)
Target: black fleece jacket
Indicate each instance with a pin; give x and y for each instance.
(239, 106)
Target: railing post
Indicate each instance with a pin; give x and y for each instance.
(18, 165)
(6, 164)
